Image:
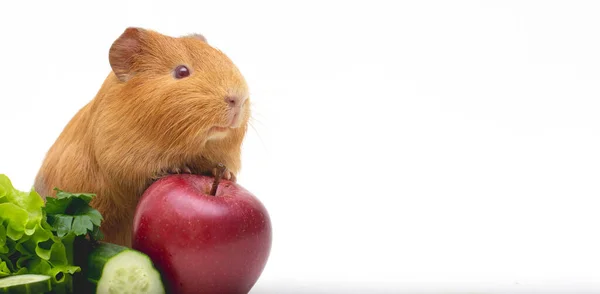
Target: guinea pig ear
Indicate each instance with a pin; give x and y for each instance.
(198, 36)
(123, 50)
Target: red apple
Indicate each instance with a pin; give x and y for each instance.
(199, 242)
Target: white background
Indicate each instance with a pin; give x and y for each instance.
(400, 146)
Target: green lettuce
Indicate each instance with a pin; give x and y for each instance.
(27, 242)
(38, 237)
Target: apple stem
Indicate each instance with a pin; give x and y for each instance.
(218, 175)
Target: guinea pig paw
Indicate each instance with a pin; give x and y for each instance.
(179, 170)
(157, 175)
(186, 170)
(174, 171)
(227, 175)
(232, 177)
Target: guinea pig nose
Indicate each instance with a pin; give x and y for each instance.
(232, 101)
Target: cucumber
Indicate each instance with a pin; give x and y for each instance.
(25, 284)
(121, 270)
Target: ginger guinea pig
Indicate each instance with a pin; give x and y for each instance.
(169, 105)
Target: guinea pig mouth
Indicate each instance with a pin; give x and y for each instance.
(217, 132)
(233, 122)
(219, 129)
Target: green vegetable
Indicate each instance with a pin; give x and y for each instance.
(27, 242)
(41, 238)
(117, 269)
(25, 284)
(44, 247)
(70, 213)
(72, 219)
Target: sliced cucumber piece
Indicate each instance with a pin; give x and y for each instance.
(25, 284)
(122, 270)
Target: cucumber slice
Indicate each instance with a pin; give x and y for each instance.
(25, 284)
(117, 269)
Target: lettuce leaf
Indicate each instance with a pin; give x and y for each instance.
(30, 203)
(41, 238)
(27, 242)
(4, 270)
(24, 237)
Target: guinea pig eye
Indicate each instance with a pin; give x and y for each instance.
(181, 72)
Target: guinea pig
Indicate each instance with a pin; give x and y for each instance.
(169, 105)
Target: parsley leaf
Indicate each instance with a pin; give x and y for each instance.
(71, 213)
